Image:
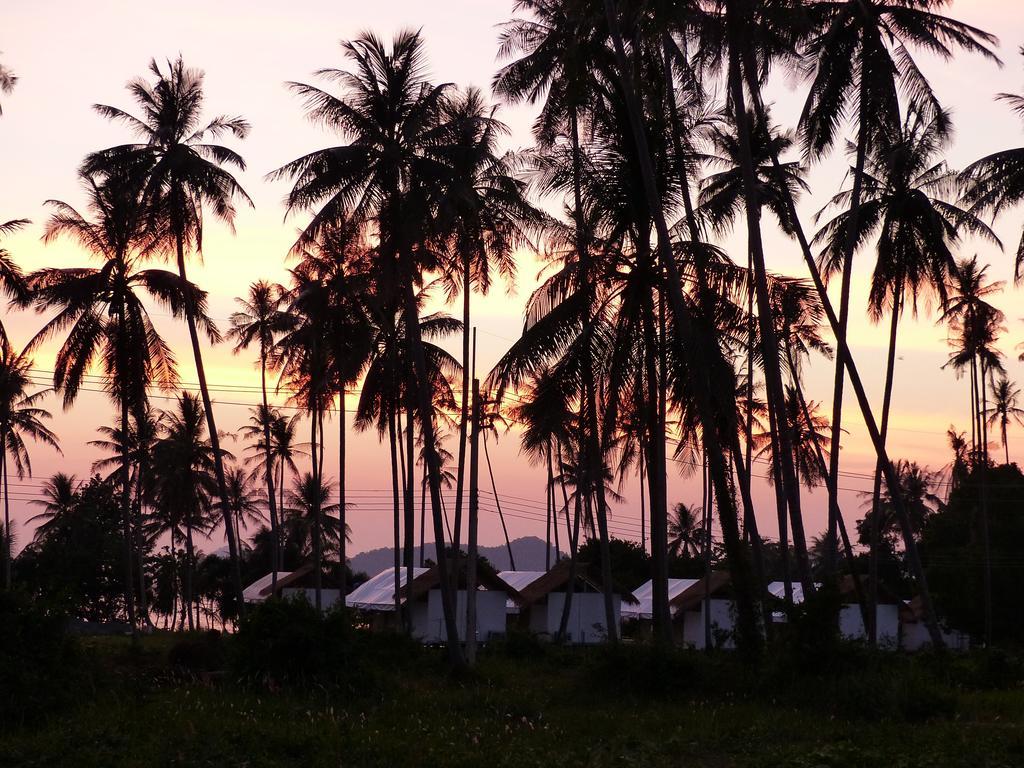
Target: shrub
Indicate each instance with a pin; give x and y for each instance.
(199, 654)
(39, 661)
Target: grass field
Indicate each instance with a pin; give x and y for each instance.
(527, 707)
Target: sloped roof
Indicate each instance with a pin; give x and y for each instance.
(644, 594)
(378, 593)
(254, 593)
(778, 589)
(544, 583)
(692, 596)
(486, 577)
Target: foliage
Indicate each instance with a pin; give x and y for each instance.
(39, 669)
(76, 565)
(953, 548)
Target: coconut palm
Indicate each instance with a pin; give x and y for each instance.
(996, 182)
(860, 59)
(21, 418)
(258, 319)
(58, 497)
(181, 171)
(484, 217)
(1005, 409)
(184, 484)
(306, 510)
(246, 501)
(7, 82)
(12, 280)
(101, 311)
(392, 116)
(685, 531)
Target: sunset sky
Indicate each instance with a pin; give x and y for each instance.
(69, 55)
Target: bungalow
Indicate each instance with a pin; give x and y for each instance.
(887, 612)
(914, 634)
(542, 601)
(376, 598)
(688, 609)
(292, 584)
(643, 609)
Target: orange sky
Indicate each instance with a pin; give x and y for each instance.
(70, 55)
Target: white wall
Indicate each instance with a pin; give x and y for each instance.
(914, 636)
(851, 625)
(490, 616)
(721, 613)
(586, 617)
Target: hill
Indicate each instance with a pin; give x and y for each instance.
(528, 552)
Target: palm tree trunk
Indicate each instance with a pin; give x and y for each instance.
(890, 366)
(708, 507)
(844, 313)
(570, 586)
(592, 442)
(749, 635)
(661, 615)
(126, 520)
(408, 556)
(211, 426)
(8, 539)
(275, 542)
(843, 350)
(342, 501)
(464, 399)
(986, 538)
(393, 442)
(187, 600)
(433, 464)
(769, 341)
(140, 541)
(318, 552)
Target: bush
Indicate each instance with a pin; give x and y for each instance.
(39, 661)
(198, 655)
(286, 642)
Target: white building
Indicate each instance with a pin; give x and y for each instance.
(376, 597)
(643, 609)
(706, 606)
(542, 601)
(292, 584)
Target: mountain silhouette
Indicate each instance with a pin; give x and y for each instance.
(528, 552)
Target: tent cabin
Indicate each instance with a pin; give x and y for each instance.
(914, 635)
(375, 598)
(542, 601)
(688, 610)
(643, 608)
(424, 593)
(292, 584)
(851, 621)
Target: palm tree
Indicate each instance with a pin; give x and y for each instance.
(387, 173)
(685, 531)
(860, 59)
(996, 182)
(102, 313)
(58, 498)
(904, 201)
(307, 510)
(185, 484)
(563, 61)
(7, 82)
(180, 171)
(484, 218)
(1005, 408)
(258, 320)
(12, 281)
(246, 501)
(20, 418)
(336, 267)
(916, 490)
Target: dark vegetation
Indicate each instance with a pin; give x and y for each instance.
(291, 686)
